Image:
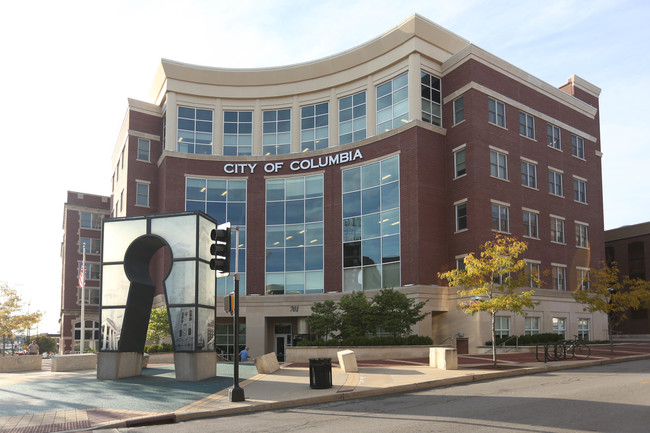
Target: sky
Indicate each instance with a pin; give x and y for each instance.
(68, 67)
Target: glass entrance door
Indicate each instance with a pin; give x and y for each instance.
(282, 340)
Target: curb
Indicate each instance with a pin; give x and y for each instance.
(353, 395)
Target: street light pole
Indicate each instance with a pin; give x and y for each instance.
(236, 393)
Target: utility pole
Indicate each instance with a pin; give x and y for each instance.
(236, 393)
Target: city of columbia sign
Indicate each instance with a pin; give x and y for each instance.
(302, 164)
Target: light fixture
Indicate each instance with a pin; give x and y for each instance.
(203, 189)
(224, 193)
(386, 177)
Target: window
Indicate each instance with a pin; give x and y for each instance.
(526, 125)
(500, 218)
(557, 230)
(237, 132)
(224, 337)
(93, 246)
(502, 326)
(91, 221)
(531, 325)
(459, 110)
(636, 260)
(558, 273)
(580, 190)
(582, 235)
(194, 133)
(91, 295)
(459, 163)
(529, 174)
(142, 194)
(144, 148)
(533, 270)
(223, 200)
(276, 128)
(497, 112)
(121, 200)
(531, 224)
(583, 278)
(392, 103)
(553, 136)
(577, 147)
(91, 336)
(294, 235)
(461, 216)
(460, 262)
(559, 326)
(430, 91)
(555, 183)
(93, 271)
(371, 226)
(352, 118)
(498, 164)
(314, 127)
(583, 329)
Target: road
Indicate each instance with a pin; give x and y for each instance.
(612, 398)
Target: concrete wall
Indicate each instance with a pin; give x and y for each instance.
(87, 361)
(304, 354)
(10, 364)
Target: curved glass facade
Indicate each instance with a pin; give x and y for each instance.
(294, 235)
(371, 226)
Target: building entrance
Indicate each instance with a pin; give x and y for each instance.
(282, 340)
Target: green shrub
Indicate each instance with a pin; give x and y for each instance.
(411, 340)
(529, 340)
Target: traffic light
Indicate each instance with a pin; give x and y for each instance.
(229, 302)
(220, 249)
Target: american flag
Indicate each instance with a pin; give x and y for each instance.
(82, 276)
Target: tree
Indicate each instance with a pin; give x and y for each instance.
(324, 319)
(492, 281)
(158, 325)
(613, 294)
(356, 319)
(46, 344)
(11, 320)
(395, 313)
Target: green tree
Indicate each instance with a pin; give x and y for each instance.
(11, 318)
(614, 295)
(324, 319)
(356, 319)
(46, 344)
(158, 325)
(492, 281)
(395, 313)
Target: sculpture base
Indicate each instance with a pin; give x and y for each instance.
(118, 365)
(192, 367)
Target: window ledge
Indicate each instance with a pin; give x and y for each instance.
(558, 243)
(555, 148)
(531, 237)
(460, 231)
(500, 178)
(461, 176)
(458, 123)
(577, 157)
(530, 187)
(581, 202)
(529, 138)
(555, 195)
(498, 126)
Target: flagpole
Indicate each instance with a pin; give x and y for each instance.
(82, 342)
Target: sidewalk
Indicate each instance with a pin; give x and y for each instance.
(42, 401)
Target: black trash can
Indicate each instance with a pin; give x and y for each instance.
(320, 373)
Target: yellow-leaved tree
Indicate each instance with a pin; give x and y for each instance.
(493, 281)
(11, 318)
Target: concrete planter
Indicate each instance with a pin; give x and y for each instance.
(305, 353)
(10, 364)
(85, 361)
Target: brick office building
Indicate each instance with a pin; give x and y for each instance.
(82, 224)
(377, 167)
(627, 247)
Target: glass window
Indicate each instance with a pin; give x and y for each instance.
(553, 136)
(531, 224)
(352, 118)
(91, 336)
(224, 339)
(144, 148)
(461, 216)
(276, 127)
(459, 110)
(294, 235)
(225, 201)
(555, 183)
(392, 103)
(430, 91)
(314, 127)
(583, 329)
(559, 277)
(529, 174)
(498, 165)
(531, 325)
(582, 235)
(533, 270)
(557, 230)
(91, 220)
(583, 278)
(526, 125)
(460, 263)
(93, 246)
(496, 112)
(577, 147)
(371, 235)
(237, 132)
(502, 326)
(580, 190)
(559, 326)
(93, 271)
(500, 218)
(194, 130)
(142, 194)
(459, 163)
